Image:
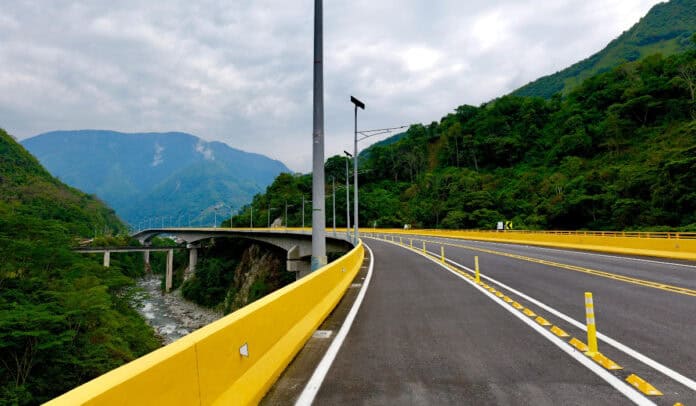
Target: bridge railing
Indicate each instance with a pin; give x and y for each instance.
(657, 244)
(234, 360)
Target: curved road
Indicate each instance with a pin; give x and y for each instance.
(427, 334)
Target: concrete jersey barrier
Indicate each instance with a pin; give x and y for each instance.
(233, 361)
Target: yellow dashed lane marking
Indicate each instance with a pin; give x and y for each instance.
(603, 274)
(559, 332)
(642, 385)
(529, 312)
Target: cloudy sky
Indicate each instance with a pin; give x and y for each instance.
(240, 71)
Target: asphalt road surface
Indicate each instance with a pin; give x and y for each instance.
(425, 335)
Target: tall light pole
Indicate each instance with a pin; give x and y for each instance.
(333, 201)
(358, 104)
(318, 216)
(251, 218)
(303, 211)
(269, 214)
(348, 156)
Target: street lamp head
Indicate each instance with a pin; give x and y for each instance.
(347, 153)
(357, 102)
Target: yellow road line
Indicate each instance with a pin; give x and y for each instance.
(622, 278)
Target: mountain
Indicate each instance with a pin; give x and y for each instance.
(64, 318)
(667, 29)
(156, 178)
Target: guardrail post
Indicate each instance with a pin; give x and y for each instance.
(591, 327)
(476, 267)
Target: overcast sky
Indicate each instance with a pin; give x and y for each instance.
(240, 71)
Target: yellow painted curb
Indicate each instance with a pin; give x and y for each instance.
(642, 385)
(517, 306)
(542, 321)
(606, 362)
(529, 312)
(578, 344)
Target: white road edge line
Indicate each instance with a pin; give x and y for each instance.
(312, 388)
(617, 383)
(689, 383)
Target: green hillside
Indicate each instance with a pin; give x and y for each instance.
(666, 29)
(64, 319)
(617, 153)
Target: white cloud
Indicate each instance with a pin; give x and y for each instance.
(241, 71)
(158, 158)
(203, 149)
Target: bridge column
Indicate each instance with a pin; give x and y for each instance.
(146, 260)
(107, 258)
(169, 271)
(302, 266)
(193, 260)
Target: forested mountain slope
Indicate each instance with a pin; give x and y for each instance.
(666, 29)
(64, 319)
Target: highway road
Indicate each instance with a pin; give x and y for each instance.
(426, 334)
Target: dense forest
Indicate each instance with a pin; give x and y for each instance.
(617, 153)
(666, 29)
(64, 318)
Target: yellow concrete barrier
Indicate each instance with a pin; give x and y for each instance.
(656, 244)
(234, 360)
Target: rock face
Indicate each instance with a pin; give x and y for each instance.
(260, 272)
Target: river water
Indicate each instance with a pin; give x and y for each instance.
(170, 315)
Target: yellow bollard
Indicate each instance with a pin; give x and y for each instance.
(442, 254)
(591, 326)
(424, 252)
(411, 242)
(476, 267)
(401, 241)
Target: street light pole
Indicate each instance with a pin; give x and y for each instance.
(358, 104)
(269, 215)
(318, 214)
(333, 201)
(348, 155)
(251, 219)
(303, 211)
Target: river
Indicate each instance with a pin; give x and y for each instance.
(170, 315)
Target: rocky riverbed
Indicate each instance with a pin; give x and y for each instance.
(170, 315)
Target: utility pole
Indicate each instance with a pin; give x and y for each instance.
(318, 215)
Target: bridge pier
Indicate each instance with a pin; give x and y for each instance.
(298, 263)
(169, 272)
(107, 259)
(146, 261)
(193, 260)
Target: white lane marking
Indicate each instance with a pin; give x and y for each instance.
(689, 383)
(568, 251)
(617, 383)
(310, 391)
